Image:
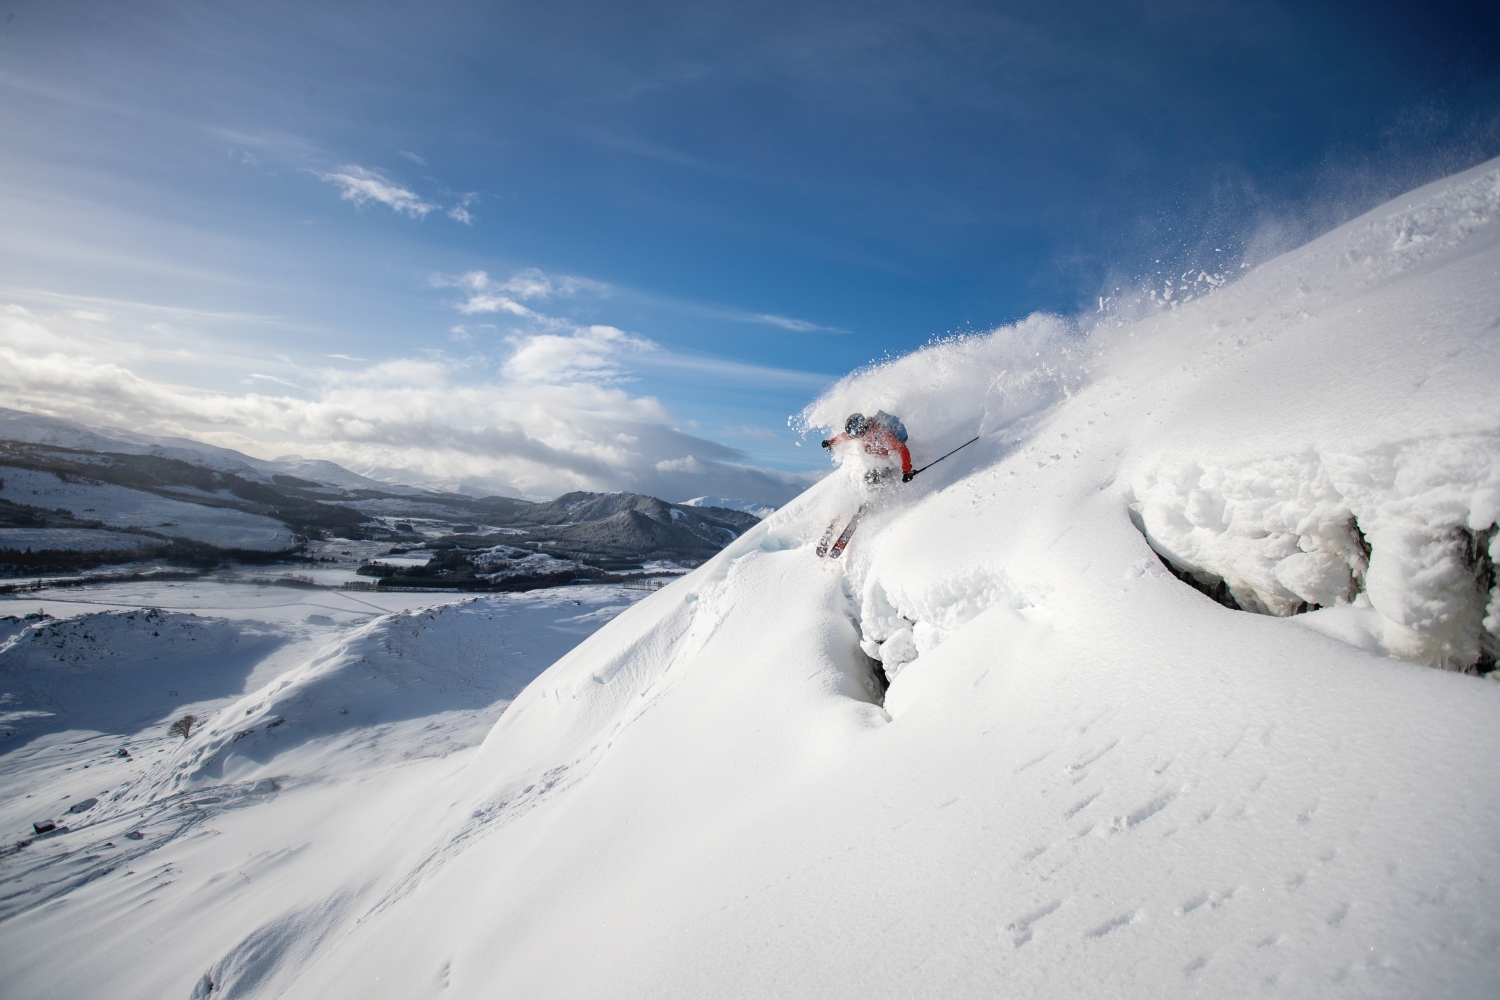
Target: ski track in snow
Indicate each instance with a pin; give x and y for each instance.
(1085, 779)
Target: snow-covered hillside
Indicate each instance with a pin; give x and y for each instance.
(1087, 777)
(35, 428)
(760, 510)
(120, 507)
(299, 724)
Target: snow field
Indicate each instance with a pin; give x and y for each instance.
(296, 746)
(119, 507)
(74, 540)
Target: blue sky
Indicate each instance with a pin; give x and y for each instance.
(529, 248)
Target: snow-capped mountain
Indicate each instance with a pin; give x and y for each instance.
(1183, 699)
(73, 497)
(760, 510)
(34, 428)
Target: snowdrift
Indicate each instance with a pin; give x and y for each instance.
(1163, 719)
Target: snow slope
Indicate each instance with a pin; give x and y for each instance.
(303, 747)
(120, 507)
(74, 540)
(1087, 778)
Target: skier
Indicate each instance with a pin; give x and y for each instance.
(882, 436)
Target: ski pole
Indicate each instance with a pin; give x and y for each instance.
(935, 461)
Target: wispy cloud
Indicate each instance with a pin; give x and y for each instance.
(363, 186)
(413, 157)
(460, 211)
(493, 302)
(555, 349)
(271, 378)
(710, 310)
(788, 323)
(737, 371)
(98, 309)
(345, 357)
(486, 295)
(757, 433)
(550, 348)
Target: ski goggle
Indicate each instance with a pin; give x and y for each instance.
(855, 424)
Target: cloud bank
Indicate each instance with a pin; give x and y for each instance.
(544, 412)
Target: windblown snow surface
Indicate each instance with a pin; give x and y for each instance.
(1086, 779)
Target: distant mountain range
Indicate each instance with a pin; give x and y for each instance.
(760, 510)
(73, 497)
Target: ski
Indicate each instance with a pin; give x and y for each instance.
(843, 540)
(822, 548)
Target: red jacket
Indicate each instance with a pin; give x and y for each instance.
(878, 440)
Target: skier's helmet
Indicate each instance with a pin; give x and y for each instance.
(855, 424)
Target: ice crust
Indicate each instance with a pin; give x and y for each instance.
(1086, 778)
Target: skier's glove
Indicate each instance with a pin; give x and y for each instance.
(906, 477)
(827, 443)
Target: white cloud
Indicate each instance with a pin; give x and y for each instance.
(485, 302)
(460, 211)
(413, 157)
(737, 371)
(487, 295)
(786, 322)
(271, 378)
(589, 354)
(362, 186)
(475, 281)
(549, 422)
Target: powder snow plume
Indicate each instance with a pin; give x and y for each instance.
(964, 385)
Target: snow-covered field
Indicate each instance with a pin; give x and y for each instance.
(74, 540)
(317, 710)
(119, 507)
(1087, 778)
